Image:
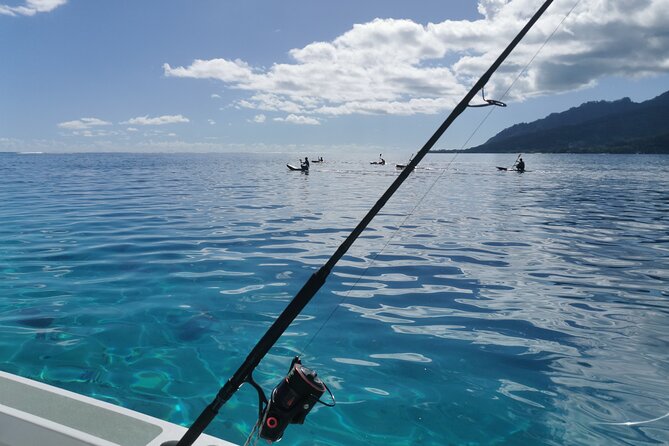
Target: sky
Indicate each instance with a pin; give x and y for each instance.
(346, 76)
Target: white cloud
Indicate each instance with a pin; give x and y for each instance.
(390, 66)
(211, 121)
(259, 118)
(94, 133)
(132, 129)
(31, 7)
(159, 120)
(83, 123)
(229, 71)
(216, 96)
(302, 120)
(165, 145)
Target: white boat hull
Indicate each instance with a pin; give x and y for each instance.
(35, 414)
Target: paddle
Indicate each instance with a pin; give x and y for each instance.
(512, 167)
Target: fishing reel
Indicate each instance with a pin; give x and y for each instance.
(291, 401)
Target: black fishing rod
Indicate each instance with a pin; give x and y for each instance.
(316, 281)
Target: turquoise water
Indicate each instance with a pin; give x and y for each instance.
(508, 309)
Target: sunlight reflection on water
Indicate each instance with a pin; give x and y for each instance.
(510, 309)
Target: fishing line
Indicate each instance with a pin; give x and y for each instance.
(302, 380)
(636, 423)
(374, 257)
(250, 440)
(383, 248)
(505, 94)
(444, 170)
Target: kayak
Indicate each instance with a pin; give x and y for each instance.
(291, 167)
(377, 162)
(506, 169)
(402, 166)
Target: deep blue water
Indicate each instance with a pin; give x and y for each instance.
(504, 309)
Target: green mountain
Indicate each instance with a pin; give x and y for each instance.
(620, 126)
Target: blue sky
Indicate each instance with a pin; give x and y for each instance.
(376, 76)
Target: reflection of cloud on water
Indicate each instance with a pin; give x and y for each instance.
(511, 390)
(411, 357)
(496, 339)
(243, 290)
(352, 361)
(377, 391)
(413, 312)
(492, 328)
(381, 289)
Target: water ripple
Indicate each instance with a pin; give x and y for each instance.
(509, 309)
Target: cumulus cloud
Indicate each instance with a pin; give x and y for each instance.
(302, 120)
(236, 71)
(31, 7)
(391, 66)
(259, 118)
(159, 120)
(83, 124)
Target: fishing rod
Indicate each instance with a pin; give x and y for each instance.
(301, 379)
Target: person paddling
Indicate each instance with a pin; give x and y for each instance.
(381, 160)
(305, 164)
(520, 165)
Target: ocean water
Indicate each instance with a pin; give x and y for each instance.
(480, 308)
